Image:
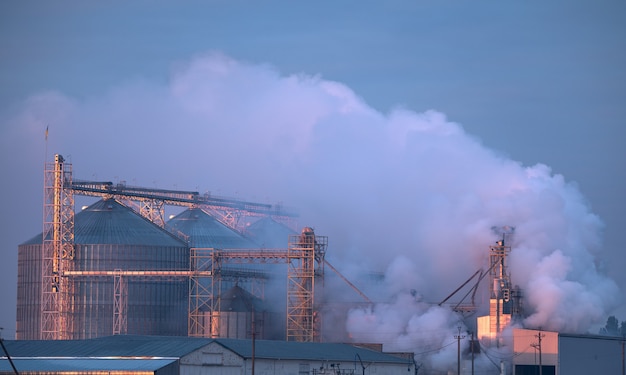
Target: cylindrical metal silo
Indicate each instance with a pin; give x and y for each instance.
(109, 295)
(205, 231)
(239, 312)
(28, 317)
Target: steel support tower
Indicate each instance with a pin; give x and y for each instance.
(57, 250)
(306, 260)
(500, 286)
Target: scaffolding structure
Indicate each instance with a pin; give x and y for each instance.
(306, 261)
(205, 278)
(57, 249)
(305, 257)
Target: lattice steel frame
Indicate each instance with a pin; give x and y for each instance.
(305, 257)
(120, 304)
(205, 282)
(150, 208)
(57, 250)
(202, 291)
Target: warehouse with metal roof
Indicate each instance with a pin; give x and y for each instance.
(162, 355)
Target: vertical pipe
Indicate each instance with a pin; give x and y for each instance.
(458, 355)
(458, 351)
(472, 350)
(539, 336)
(253, 338)
(623, 367)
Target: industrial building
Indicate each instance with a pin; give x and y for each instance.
(117, 266)
(566, 354)
(159, 355)
(556, 353)
(505, 300)
(225, 273)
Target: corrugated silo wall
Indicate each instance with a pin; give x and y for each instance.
(28, 314)
(154, 305)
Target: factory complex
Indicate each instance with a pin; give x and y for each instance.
(230, 287)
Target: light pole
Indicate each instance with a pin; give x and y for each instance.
(539, 336)
(458, 351)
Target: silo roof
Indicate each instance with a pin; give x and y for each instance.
(206, 231)
(110, 222)
(269, 233)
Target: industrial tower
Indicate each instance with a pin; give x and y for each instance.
(306, 261)
(504, 298)
(57, 248)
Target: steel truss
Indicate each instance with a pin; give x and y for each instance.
(150, 203)
(57, 250)
(204, 291)
(306, 260)
(206, 274)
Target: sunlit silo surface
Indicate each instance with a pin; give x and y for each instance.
(28, 317)
(110, 237)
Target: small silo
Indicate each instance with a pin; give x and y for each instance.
(239, 312)
(205, 231)
(268, 233)
(110, 237)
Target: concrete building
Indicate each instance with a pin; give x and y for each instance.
(160, 355)
(532, 348)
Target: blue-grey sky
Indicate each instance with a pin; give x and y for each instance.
(532, 82)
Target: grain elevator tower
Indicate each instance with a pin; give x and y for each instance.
(504, 299)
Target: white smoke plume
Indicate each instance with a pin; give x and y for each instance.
(410, 194)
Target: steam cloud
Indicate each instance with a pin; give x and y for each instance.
(407, 193)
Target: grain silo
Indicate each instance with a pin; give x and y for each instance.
(204, 230)
(119, 279)
(242, 313)
(232, 284)
(111, 269)
(268, 233)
